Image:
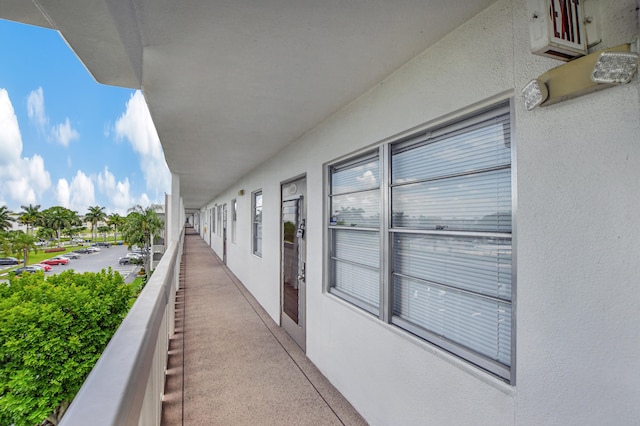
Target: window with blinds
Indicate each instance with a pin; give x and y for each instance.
(444, 199)
(256, 228)
(355, 231)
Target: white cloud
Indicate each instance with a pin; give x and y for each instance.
(81, 192)
(37, 174)
(64, 133)
(35, 108)
(61, 133)
(137, 127)
(63, 194)
(24, 179)
(144, 200)
(10, 138)
(118, 192)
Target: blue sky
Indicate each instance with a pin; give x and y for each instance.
(67, 140)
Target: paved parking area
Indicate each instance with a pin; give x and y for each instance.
(95, 262)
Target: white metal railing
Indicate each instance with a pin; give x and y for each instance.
(126, 385)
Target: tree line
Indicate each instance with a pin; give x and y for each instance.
(137, 228)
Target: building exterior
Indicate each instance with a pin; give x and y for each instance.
(443, 254)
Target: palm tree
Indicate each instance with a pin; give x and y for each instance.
(116, 221)
(103, 230)
(140, 227)
(45, 233)
(57, 218)
(30, 216)
(95, 215)
(19, 243)
(5, 218)
(75, 225)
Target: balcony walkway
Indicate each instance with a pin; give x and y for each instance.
(230, 364)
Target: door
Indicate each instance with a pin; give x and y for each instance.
(293, 255)
(224, 234)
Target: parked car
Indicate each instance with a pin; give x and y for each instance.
(40, 243)
(134, 255)
(30, 269)
(58, 260)
(125, 260)
(71, 255)
(43, 266)
(8, 261)
(86, 250)
(101, 244)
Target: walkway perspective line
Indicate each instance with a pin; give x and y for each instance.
(230, 364)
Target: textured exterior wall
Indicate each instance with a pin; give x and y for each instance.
(577, 239)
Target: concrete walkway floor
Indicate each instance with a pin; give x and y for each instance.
(230, 364)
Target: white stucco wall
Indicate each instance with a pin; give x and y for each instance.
(577, 240)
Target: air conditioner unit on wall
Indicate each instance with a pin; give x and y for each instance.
(557, 28)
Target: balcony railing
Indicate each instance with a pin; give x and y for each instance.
(126, 385)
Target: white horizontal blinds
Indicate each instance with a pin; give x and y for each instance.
(458, 180)
(460, 288)
(477, 202)
(483, 145)
(356, 175)
(356, 263)
(355, 194)
(357, 209)
(479, 324)
(451, 233)
(355, 238)
(477, 265)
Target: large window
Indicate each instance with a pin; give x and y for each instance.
(256, 229)
(440, 205)
(355, 231)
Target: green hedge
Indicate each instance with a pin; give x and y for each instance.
(52, 332)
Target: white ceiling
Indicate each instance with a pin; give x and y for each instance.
(229, 83)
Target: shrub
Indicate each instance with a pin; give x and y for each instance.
(52, 332)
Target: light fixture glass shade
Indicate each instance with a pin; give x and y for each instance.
(615, 67)
(534, 94)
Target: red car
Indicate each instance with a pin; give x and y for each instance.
(44, 266)
(58, 260)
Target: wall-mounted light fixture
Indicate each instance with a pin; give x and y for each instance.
(595, 71)
(241, 192)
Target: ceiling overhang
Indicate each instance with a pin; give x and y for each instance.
(231, 83)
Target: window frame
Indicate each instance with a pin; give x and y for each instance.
(355, 161)
(385, 313)
(255, 229)
(234, 219)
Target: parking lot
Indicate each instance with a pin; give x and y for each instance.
(94, 262)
